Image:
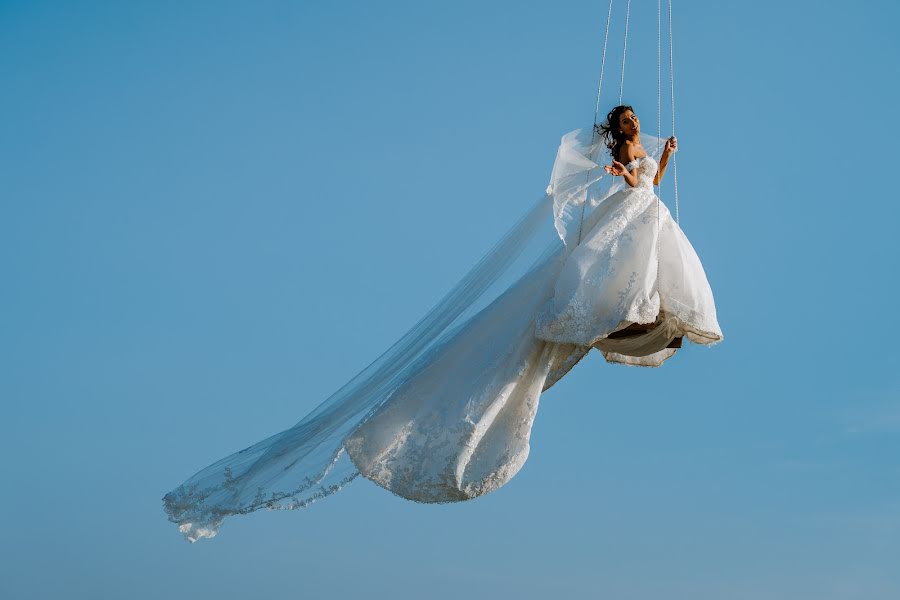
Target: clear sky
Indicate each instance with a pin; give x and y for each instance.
(214, 214)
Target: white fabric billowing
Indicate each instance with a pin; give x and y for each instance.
(307, 462)
(459, 427)
(574, 173)
(446, 413)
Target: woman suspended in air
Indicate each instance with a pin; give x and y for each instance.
(445, 414)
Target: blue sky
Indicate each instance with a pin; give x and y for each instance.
(214, 214)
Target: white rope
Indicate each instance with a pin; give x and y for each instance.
(603, 62)
(658, 124)
(659, 84)
(596, 110)
(672, 82)
(624, 50)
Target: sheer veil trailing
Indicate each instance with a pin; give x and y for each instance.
(308, 461)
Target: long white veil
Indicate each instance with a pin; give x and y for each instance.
(297, 466)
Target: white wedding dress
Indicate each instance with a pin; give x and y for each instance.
(446, 414)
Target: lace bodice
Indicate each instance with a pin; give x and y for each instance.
(647, 168)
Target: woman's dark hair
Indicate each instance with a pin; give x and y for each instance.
(610, 130)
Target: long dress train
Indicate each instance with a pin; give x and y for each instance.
(445, 414)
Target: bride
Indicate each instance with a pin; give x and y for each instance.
(445, 414)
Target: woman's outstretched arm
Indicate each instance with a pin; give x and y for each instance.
(618, 169)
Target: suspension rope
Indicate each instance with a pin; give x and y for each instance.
(596, 111)
(624, 50)
(658, 126)
(672, 92)
(659, 84)
(602, 64)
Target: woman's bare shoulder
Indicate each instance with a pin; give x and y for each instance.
(629, 152)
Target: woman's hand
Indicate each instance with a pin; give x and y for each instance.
(671, 145)
(616, 168)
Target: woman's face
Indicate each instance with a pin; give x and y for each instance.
(629, 124)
